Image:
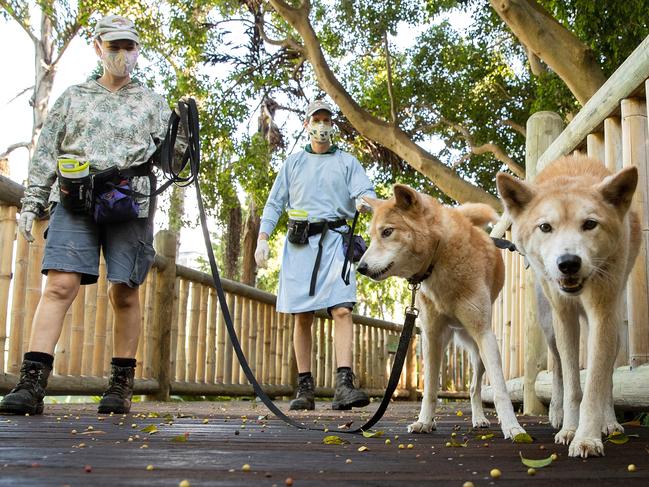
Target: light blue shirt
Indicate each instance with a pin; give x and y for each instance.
(326, 186)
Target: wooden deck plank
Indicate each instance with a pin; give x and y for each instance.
(42, 450)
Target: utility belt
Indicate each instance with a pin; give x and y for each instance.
(107, 195)
(299, 232)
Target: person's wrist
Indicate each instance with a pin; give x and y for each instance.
(262, 236)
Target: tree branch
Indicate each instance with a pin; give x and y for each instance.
(516, 126)
(372, 127)
(536, 65)
(498, 152)
(21, 93)
(13, 147)
(393, 106)
(19, 20)
(541, 34)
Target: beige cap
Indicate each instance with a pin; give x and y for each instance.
(318, 105)
(116, 27)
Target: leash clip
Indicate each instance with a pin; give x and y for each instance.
(412, 309)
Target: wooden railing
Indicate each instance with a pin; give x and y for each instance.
(184, 348)
(611, 127)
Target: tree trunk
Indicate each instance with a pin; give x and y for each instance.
(372, 127)
(45, 72)
(250, 234)
(233, 244)
(544, 37)
(176, 208)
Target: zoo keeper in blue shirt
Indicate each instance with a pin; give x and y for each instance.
(321, 185)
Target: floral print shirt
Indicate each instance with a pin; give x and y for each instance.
(90, 123)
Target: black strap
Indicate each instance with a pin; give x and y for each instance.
(347, 265)
(504, 244)
(318, 258)
(406, 334)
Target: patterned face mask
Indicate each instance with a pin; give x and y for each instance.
(119, 63)
(320, 132)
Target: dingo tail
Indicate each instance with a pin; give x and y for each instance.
(479, 213)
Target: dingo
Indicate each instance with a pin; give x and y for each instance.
(413, 235)
(574, 225)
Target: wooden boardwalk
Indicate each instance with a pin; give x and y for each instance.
(223, 436)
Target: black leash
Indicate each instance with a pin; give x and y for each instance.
(347, 265)
(189, 112)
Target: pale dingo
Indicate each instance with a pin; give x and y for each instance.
(574, 225)
(413, 235)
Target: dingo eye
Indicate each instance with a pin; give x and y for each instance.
(589, 224)
(545, 227)
(387, 232)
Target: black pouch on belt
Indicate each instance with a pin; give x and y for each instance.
(298, 231)
(75, 194)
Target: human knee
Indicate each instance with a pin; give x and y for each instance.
(122, 296)
(341, 313)
(62, 286)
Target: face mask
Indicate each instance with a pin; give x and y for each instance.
(119, 63)
(320, 132)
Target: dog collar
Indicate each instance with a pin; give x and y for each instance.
(419, 278)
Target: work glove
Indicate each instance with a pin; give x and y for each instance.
(362, 206)
(262, 253)
(25, 223)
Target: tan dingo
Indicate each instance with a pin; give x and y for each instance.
(412, 235)
(575, 227)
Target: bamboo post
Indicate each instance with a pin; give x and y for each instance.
(150, 341)
(613, 143)
(278, 348)
(319, 353)
(18, 306)
(192, 335)
(165, 243)
(634, 152)
(252, 337)
(259, 339)
(101, 322)
(238, 311)
(268, 314)
(357, 348)
(7, 237)
(227, 356)
(330, 353)
(210, 373)
(273, 349)
(139, 353)
(286, 347)
(181, 357)
(89, 323)
(411, 369)
(542, 129)
(221, 341)
(76, 332)
(202, 336)
(173, 339)
(245, 335)
(595, 146)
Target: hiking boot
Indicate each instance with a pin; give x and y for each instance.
(305, 398)
(27, 396)
(346, 395)
(117, 398)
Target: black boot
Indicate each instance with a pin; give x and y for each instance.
(117, 398)
(27, 396)
(346, 395)
(305, 398)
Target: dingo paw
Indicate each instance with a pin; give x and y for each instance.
(510, 432)
(480, 422)
(556, 414)
(564, 437)
(613, 427)
(586, 447)
(422, 427)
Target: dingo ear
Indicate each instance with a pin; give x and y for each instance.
(514, 193)
(406, 197)
(618, 189)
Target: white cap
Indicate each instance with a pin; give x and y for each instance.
(116, 27)
(316, 106)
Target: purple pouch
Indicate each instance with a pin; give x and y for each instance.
(114, 206)
(358, 249)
